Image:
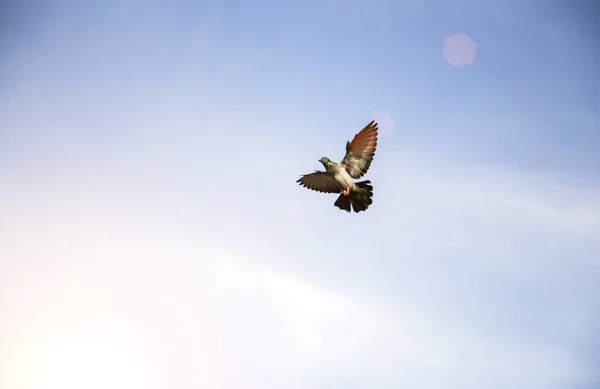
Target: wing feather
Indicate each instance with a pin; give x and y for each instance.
(321, 182)
(360, 152)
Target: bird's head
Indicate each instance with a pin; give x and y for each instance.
(325, 161)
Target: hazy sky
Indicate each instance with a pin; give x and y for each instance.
(152, 234)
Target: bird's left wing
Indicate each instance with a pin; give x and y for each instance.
(321, 182)
(360, 152)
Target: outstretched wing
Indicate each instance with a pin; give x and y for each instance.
(360, 152)
(321, 182)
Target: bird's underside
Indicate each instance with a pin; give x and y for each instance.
(339, 177)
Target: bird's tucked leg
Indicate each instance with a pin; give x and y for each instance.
(346, 191)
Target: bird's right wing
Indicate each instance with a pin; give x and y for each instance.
(321, 182)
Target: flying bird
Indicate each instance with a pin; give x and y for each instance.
(339, 177)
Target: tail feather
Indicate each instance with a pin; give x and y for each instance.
(360, 198)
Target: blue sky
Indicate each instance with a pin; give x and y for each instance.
(151, 226)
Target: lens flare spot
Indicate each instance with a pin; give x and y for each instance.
(459, 50)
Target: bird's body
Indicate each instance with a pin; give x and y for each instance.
(339, 177)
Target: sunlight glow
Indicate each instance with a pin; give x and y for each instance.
(78, 339)
(61, 360)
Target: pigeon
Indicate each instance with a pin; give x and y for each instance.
(339, 177)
